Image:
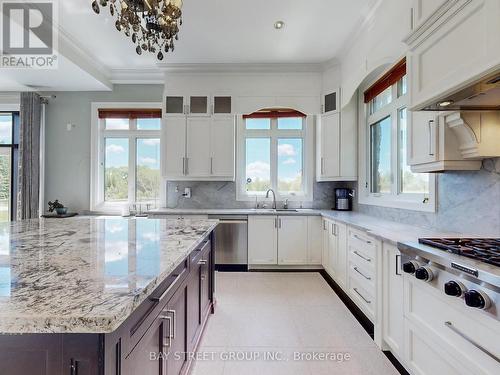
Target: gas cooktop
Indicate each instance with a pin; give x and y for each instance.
(481, 249)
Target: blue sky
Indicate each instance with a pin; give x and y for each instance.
(148, 152)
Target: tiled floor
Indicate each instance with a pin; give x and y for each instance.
(284, 315)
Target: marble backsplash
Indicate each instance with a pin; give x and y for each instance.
(223, 195)
(468, 202)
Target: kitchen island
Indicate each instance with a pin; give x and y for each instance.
(103, 295)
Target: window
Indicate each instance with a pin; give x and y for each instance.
(9, 144)
(127, 163)
(273, 148)
(389, 180)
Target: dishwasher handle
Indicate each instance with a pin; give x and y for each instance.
(233, 222)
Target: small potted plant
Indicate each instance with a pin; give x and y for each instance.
(58, 207)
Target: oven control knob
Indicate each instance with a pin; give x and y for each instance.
(454, 288)
(411, 266)
(477, 299)
(424, 273)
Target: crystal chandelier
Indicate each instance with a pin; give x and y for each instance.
(152, 25)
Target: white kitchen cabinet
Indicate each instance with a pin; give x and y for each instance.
(429, 314)
(457, 44)
(173, 146)
(433, 146)
(336, 147)
(330, 101)
(339, 249)
(328, 132)
(222, 141)
(393, 297)
(284, 240)
(314, 240)
(326, 245)
(198, 148)
(262, 240)
(292, 240)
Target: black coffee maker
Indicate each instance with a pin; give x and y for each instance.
(343, 199)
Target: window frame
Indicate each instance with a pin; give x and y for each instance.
(396, 198)
(13, 147)
(98, 136)
(306, 134)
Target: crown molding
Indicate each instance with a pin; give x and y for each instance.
(242, 68)
(149, 76)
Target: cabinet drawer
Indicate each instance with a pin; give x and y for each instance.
(200, 252)
(362, 243)
(146, 313)
(364, 276)
(459, 329)
(362, 297)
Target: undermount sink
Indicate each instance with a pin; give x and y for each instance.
(285, 210)
(274, 210)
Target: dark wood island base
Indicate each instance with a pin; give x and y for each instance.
(156, 338)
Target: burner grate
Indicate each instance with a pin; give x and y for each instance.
(482, 249)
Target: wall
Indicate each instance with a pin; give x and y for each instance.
(468, 202)
(67, 172)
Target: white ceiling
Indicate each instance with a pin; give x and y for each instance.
(214, 31)
(228, 31)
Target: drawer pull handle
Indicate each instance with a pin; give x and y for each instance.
(362, 257)
(358, 271)
(169, 337)
(158, 299)
(467, 338)
(361, 239)
(175, 323)
(359, 294)
(202, 262)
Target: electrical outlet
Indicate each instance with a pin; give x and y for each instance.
(187, 193)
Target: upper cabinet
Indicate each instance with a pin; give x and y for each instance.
(330, 101)
(433, 146)
(452, 43)
(197, 144)
(336, 145)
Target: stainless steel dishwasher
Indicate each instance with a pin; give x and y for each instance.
(231, 243)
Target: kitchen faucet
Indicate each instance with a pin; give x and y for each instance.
(274, 197)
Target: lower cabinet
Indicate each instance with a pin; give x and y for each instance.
(335, 251)
(393, 296)
(164, 348)
(283, 240)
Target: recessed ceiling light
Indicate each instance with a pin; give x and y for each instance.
(278, 25)
(446, 103)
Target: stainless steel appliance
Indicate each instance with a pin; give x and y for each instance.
(231, 243)
(481, 95)
(343, 199)
(466, 268)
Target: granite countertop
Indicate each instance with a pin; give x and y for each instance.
(87, 274)
(384, 230)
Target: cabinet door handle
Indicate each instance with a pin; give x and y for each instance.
(211, 165)
(322, 166)
(183, 165)
(398, 264)
(174, 324)
(276, 222)
(333, 229)
(324, 224)
(361, 256)
(279, 223)
(361, 239)
(362, 274)
(359, 294)
(430, 123)
(73, 367)
(467, 338)
(167, 344)
(187, 165)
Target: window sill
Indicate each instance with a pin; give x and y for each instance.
(404, 204)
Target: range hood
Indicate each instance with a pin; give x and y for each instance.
(483, 95)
